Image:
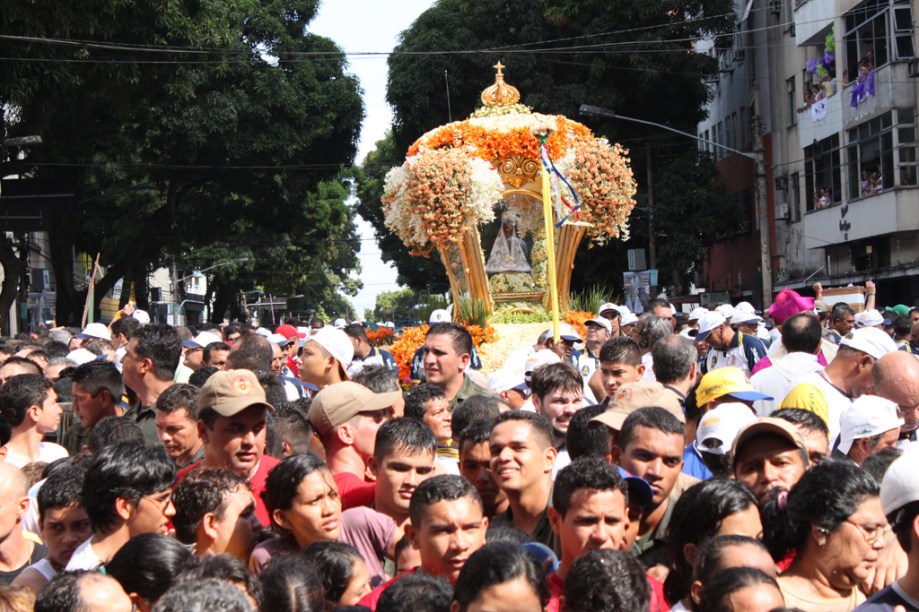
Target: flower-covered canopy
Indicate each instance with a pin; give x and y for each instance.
(458, 175)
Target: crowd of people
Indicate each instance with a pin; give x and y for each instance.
(724, 459)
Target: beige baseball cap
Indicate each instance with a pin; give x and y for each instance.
(632, 396)
(231, 391)
(338, 403)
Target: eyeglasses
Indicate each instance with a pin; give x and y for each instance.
(161, 500)
(871, 535)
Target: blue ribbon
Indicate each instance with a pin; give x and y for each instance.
(549, 165)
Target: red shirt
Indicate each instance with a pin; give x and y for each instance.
(353, 490)
(371, 599)
(257, 482)
(557, 586)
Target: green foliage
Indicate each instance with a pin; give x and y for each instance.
(627, 55)
(473, 311)
(237, 153)
(397, 306)
(590, 298)
(512, 316)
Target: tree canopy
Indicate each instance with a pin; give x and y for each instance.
(200, 131)
(632, 56)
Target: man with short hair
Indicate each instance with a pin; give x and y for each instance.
(829, 392)
(325, 358)
(232, 416)
(97, 390)
(123, 329)
(148, 368)
(801, 337)
(28, 403)
(896, 377)
(612, 313)
(675, 365)
(650, 446)
(84, 590)
(127, 491)
(346, 417)
(842, 320)
(598, 332)
(194, 349)
(661, 309)
(215, 355)
(62, 522)
(769, 454)
(475, 466)
(403, 458)
(564, 348)
(381, 379)
(447, 526)
(522, 458)
(728, 348)
(177, 424)
(251, 352)
(428, 404)
(215, 511)
(365, 354)
(14, 366)
(870, 425)
(620, 363)
(16, 552)
(293, 346)
(447, 349)
(900, 502)
(558, 394)
(292, 431)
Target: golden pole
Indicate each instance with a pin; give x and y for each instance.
(550, 249)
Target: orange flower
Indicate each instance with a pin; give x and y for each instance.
(577, 319)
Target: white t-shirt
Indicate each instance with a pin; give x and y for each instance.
(47, 452)
(84, 558)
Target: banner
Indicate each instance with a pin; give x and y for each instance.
(637, 289)
(818, 110)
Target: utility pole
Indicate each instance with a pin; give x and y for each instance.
(762, 208)
(652, 247)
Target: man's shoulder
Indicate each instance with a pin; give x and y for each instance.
(888, 599)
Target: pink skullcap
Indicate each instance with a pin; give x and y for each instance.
(787, 304)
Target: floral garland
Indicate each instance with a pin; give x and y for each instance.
(448, 182)
(381, 336)
(578, 319)
(601, 176)
(437, 195)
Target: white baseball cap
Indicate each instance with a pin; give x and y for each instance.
(81, 356)
(280, 340)
(869, 318)
(708, 322)
(609, 306)
(340, 324)
(439, 316)
(95, 330)
(870, 340)
(726, 310)
(868, 416)
(263, 331)
(566, 332)
(628, 318)
(201, 340)
(540, 358)
(744, 313)
(505, 379)
(602, 322)
(336, 343)
(720, 425)
(901, 483)
(697, 313)
(142, 316)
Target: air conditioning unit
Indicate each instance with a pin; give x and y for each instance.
(782, 212)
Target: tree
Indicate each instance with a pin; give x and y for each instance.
(397, 306)
(628, 55)
(197, 131)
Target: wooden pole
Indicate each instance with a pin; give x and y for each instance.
(89, 307)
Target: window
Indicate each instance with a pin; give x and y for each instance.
(870, 156)
(908, 170)
(728, 134)
(792, 101)
(867, 36)
(744, 128)
(794, 197)
(821, 174)
(903, 31)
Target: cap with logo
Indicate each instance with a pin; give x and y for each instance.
(95, 330)
(768, 426)
(708, 323)
(338, 403)
(870, 340)
(142, 316)
(229, 392)
(719, 427)
(868, 416)
(727, 381)
(439, 316)
(611, 308)
(632, 396)
(600, 322)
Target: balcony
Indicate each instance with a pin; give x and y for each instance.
(896, 210)
(893, 88)
(812, 19)
(811, 130)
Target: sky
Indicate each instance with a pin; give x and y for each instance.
(369, 25)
